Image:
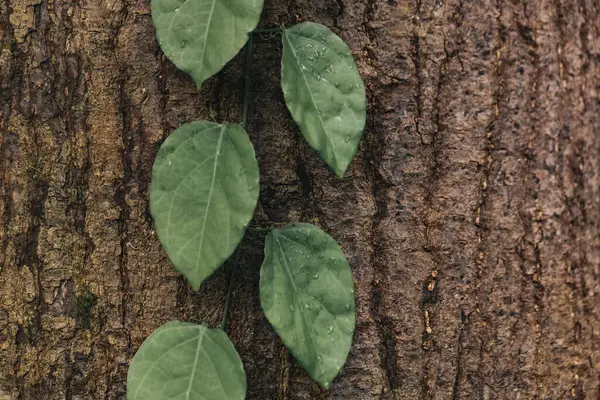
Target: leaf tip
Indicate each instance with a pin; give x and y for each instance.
(338, 170)
(194, 283)
(325, 384)
(198, 83)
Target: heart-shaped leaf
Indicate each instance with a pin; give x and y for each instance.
(186, 361)
(324, 92)
(204, 192)
(307, 294)
(201, 36)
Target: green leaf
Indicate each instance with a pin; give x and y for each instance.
(324, 92)
(307, 294)
(201, 36)
(204, 192)
(186, 361)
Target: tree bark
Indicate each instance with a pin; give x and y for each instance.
(470, 217)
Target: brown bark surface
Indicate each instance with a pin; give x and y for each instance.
(470, 217)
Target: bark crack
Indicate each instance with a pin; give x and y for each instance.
(339, 14)
(121, 196)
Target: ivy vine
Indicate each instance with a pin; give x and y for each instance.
(204, 190)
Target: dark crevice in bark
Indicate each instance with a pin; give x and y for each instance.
(76, 111)
(127, 135)
(524, 282)
(532, 190)
(283, 374)
(83, 185)
(121, 194)
(459, 368)
(584, 33)
(294, 19)
(27, 254)
(38, 184)
(385, 327)
(416, 58)
(387, 350)
(69, 376)
(433, 142)
(577, 219)
(8, 141)
(10, 145)
(431, 287)
(434, 159)
(339, 14)
(368, 18)
(20, 343)
(493, 129)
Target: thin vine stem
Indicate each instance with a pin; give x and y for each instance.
(236, 261)
(260, 229)
(247, 83)
(268, 30)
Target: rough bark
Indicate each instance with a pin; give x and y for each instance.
(471, 215)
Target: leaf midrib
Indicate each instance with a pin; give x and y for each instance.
(296, 291)
(312, 98)
(210, 193)
(198, 347)
(335, 278)
(190, 172)
(149, 370)
(210, 17)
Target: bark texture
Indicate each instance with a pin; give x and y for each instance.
(470, 217)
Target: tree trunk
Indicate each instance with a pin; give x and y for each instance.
(470, 217)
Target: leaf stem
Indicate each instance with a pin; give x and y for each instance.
(236, 260)
(268, 30)
(260, 229)
(247, 83)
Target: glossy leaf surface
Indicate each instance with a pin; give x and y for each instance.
(204, 191)
(307, 294)
(201, 36)
(324, 92)
(182, 361)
